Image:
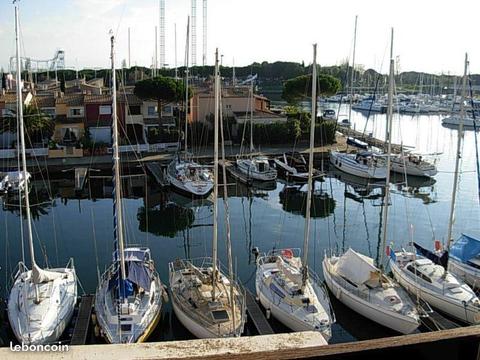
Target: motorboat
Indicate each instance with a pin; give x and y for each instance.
(256, 168)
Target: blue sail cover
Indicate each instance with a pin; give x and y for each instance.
(139, 274)
(465, 248)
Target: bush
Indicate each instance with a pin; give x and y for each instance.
(157, 135)
(325, 133)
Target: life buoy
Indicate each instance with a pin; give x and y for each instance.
(287, 253)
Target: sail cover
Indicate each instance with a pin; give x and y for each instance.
(41, 276)
(355, 267)
(139, 274)
(465, 248)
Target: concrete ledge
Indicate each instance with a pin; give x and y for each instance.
(253, 347)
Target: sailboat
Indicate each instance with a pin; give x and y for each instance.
(255, 168)
(359, 284)
(41, 301)
(207, 302)
(285, 285)
(129, 297)
(432, 282)
(185, 174)
(413, 164)
(293, 166)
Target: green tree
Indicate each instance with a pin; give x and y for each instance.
(38, 125)
(162, 89)
(300, 87)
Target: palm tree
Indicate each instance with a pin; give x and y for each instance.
(38, 125)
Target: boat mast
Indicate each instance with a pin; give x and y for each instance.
(459, 154)
(186, 84)
(310, 169)
(227, 211)
(353, 69)
(251, 117)
(22, 140)
(117, 186)
(388, 139)
(215, 176)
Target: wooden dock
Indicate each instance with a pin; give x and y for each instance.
(256, 315)
(82, 324)
(155, 169)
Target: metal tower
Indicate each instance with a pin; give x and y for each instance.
(162, 33)
(194, 32)
(204, 24)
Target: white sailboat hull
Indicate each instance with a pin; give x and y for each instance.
(191, 187)
(248, 167)
(400, 323)
(283, 316)
(195, 328)
(435, 299)
(347, 163)
(467, 273)
(45, 322)
(408, 168)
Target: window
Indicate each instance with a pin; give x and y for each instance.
(76, 112)
(228, 106)
(135, 110)
(152, 110)
(167, 109)
(105, 110)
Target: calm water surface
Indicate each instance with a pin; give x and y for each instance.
(346, 213)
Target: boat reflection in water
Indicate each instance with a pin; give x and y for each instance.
(415, 187)
(293, 199)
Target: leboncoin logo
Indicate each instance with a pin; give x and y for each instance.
(39, 348)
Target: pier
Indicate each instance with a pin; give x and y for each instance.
(255, 314)
(82, 323)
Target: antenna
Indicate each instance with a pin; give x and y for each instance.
(204, 41)
(194, 32)
(162, 33)
(155, 62)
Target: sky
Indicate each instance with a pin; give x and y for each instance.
(430, 36)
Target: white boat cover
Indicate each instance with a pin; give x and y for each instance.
(41, 276)
(356, 267)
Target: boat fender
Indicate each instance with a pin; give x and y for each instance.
(339, 293)
(164, 294)
(268, 313)
(94, 319)
(96, 331)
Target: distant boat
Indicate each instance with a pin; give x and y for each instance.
(184, 174)
(413, 164)
(364, 164)
(257, 168)
(357, 143)
(454, 121)
(329, 114)
(293, 166)
(129, 297)
(41, 301)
